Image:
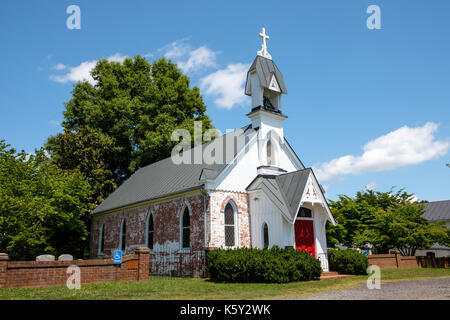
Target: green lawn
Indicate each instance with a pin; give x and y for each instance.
(187, 288)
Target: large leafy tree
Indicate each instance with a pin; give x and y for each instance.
(125, 120)
(384, 219)
(42, 208)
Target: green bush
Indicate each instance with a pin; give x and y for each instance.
(273, 265)
(347, 262)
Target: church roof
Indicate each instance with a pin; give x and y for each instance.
(265, 68)
(437, 210)
(164, 177)
(287, 189)
(292, 185)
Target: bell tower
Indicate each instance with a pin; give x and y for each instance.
(265, 84)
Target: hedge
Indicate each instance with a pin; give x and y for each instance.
(273, 265)
(347, 262)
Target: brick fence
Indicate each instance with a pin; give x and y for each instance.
(134, 267)
(398, 261)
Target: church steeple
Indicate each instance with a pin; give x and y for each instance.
(265, 84)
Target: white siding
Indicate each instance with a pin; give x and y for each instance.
(263, 211)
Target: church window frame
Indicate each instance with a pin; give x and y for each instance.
(185, 228)
(101, 241)
(150, 231)
(123, 236)
(308, 216)
(265, 235)
(230, 225)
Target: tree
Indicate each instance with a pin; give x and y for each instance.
(384, 219)
(125, 120)
(403, 227)
(41, 207)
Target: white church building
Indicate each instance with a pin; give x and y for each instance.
(255, 193)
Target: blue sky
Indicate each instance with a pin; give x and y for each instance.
(365, 107)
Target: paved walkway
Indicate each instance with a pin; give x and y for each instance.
(427, 289)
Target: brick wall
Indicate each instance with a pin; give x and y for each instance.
(216, 219)
(134, 267)
(398, 261)
(166, 220)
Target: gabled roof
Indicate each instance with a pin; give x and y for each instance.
(292, 185)
(437, 210)
(288, 189)
(265, 69)
(164, 177)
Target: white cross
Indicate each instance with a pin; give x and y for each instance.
(263, 52)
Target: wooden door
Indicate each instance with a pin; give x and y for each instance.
(304, 236)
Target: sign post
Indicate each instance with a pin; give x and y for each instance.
(117, 259)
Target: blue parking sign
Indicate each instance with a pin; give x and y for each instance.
(117, 256)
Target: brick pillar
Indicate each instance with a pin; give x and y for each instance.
(3, 269)
(143, 263)
(396, 259)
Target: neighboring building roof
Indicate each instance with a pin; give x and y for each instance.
(437, 210)
(265, 68)
(164, 177)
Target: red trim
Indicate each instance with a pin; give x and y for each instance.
(304, 236)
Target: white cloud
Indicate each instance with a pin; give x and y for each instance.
(60, 66)
(199, 58)
(404, 146)
(227, 85)
(176, 49)
(189, 59)
(82, 71)
(371, 185)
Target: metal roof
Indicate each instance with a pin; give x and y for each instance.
(164, 177)
(287, 189)
(293, 185)
(437, 210)
(265, 68)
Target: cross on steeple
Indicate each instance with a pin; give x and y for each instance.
(263, 52)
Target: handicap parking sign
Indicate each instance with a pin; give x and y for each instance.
(117, 256)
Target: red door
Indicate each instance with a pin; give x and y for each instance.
(304, 236)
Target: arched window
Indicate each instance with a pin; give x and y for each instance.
(304, 213)
(229, 226)
(123, 235)
(265, 234)
(269, 153)
(150, 231)
(102, 239)
(185, 229)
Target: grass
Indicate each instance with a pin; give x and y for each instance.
(202, 289)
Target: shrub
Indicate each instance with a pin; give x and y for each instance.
(347, 262)
(262, 265)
